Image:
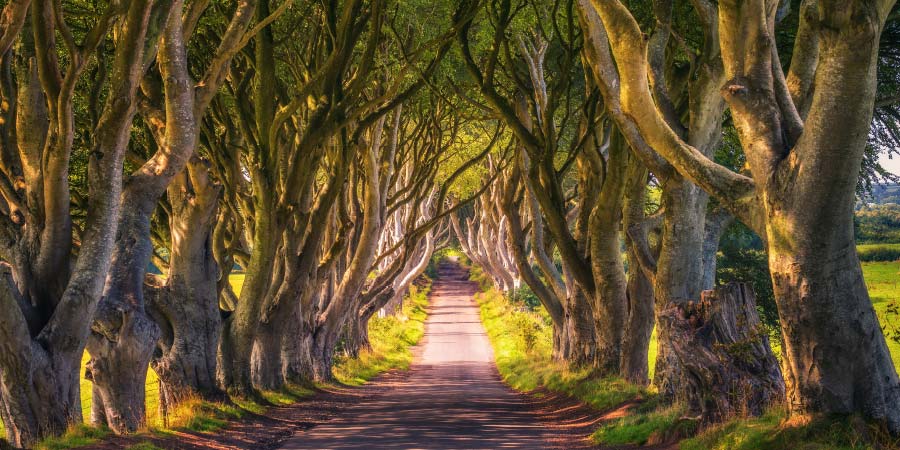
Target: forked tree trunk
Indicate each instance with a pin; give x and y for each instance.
(118, 368)
(728, 368)
(123, 335)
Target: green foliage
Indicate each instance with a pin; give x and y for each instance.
(877, 224)
(477, 275)
(878, 252)
(742, 258)
(525, 296)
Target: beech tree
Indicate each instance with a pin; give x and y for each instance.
(124, 333)
(804, 134)
(51, 292)
(555, 117)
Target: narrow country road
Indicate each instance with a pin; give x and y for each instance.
(453, 397)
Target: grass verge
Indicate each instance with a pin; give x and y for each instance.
(392, 338)
(773, 430)
(522, 341)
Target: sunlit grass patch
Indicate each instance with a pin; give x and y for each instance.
(648, 424)
(76, 436)
(883, 281)
(195, 414)
(773, 430)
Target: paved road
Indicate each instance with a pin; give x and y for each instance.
(452, 399)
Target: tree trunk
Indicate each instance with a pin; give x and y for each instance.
(836, 357)
(266, 360)
(723, 351)
(322, 354)
(187, 307)
(118, 368)
(580, 339)
(357, 334)
(43, 400)
(611, 306)
(679, 274)
(239, 330)
(123, 335)
(639, 327)
(296, 349)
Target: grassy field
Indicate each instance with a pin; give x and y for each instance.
(392, 338)
(883, 280)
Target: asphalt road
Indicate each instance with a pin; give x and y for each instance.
(452, 399)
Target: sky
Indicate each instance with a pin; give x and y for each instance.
(892, 165)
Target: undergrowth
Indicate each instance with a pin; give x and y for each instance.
(392, 338)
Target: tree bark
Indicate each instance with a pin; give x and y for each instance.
(39, 382)
(187, 306)
(723, 351)
(836, 357)
(679, 273)
(639, 325)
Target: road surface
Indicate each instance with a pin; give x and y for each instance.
(453, 397)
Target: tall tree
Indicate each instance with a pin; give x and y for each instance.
(50, 294)
(804, 140)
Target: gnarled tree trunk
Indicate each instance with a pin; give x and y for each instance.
(187, 307)
(728, 368)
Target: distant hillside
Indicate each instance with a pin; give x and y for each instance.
(889, 193)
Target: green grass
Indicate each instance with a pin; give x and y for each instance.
(391, 339)
(773, 430)
(883, 280)
(77, 436)
(648, 424)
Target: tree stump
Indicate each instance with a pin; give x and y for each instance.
(727, 367)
